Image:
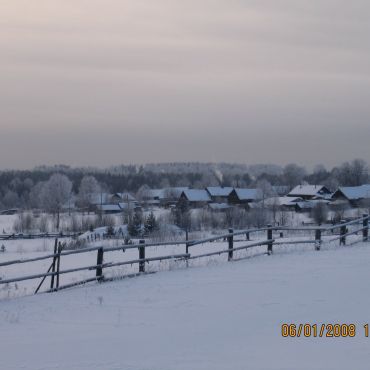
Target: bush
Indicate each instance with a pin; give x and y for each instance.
(319, 213)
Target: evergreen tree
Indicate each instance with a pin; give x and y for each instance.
(134, 225)
(150, 223)
(182, 214)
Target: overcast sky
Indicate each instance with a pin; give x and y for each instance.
(103, 82)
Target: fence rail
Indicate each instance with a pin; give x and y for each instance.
(19, 236)
(54, 270)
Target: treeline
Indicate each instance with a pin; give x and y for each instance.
(19, 188)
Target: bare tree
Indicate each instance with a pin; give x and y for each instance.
(11, 199)
(320, 213)
(55, 194)
(359, 171)
(352, 174)
(293, 174)
(35, 198)
(143, 194)
(89, 187)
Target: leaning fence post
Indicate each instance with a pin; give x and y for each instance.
(318, 239)
(230, 240)
(269, 237)
(58, 264)
(99, 264)
(365, 230)
(142, 257)
(343, 230)
(53, 265)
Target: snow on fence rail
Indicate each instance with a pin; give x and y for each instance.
(37, 236)
(54, 270)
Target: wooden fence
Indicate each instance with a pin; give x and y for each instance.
(18, 236)
(54, 271)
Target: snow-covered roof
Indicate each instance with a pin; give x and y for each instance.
(173, 192)
(219, 206)
(309, 190)
(219, 191)
(126, 196)
(356, 192)
(305, 205)
(128, 205)
(282, 201)
(196, 195)
(99, 198)
(247, 194)
(309, 204)
(109, 207)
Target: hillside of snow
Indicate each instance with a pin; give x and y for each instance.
(222, 317)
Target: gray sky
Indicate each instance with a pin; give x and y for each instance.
(102, 82)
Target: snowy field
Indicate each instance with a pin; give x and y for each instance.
(35, 248)
(225, 317)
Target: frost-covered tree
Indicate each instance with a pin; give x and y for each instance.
(293, 174)
(354, 173)
(55, 194)
(89, 187)
(35, 197)
(11, 199)
(320, 213)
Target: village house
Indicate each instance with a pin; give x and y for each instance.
(310, 192)
(282, 203)
(243, 197)
(218, 207)
(108, 208)
(355, 196)
(219, 194)
(163, 197)
(122, 198)
(196, 198)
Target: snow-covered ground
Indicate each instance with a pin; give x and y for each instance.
(35, 248)
(226, 316)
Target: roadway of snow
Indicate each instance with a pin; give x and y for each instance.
(225, 317)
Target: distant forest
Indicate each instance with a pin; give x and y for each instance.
(17, 187)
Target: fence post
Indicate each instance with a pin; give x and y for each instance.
(247, 236)
(53, 265)
(58, 264)
(230, 240)
(142, 257)
(318, 239)
(187, 246)
(365, 231)
(343, 230)
(99, 263)
(269, 237)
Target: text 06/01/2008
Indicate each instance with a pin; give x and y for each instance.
(323, 330)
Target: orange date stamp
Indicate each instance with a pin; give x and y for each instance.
(323, 330)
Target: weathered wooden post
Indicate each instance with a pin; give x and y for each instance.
(230, 240)
(58, 264)
(142, 257)
(53, 265)
(343, 230)
(99, 263)
(365, 231)
(269, 237)
(318, 239)
(247, 236)
(187, 246)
